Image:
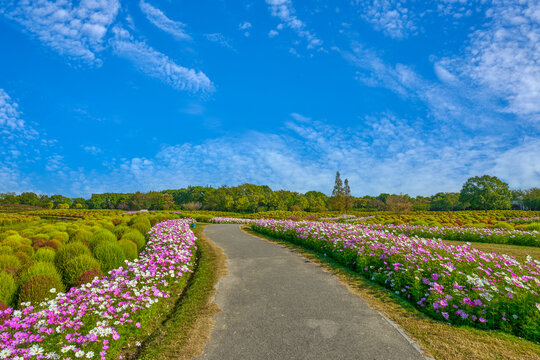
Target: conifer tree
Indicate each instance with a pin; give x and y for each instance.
(348, 199)
(337, 201)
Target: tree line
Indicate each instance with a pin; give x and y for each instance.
(478, 193)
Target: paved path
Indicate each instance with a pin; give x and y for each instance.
(276, 305)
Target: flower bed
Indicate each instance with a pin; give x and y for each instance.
(456, 284)
(525, 220)
(486, 235)
(94, 320)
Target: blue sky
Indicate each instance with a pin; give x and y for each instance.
(400, 96)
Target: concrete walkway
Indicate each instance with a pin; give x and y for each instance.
(276, 305)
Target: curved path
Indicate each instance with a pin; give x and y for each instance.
(276, 305)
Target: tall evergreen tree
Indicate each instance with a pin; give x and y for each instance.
(349, 200)
(337, 202)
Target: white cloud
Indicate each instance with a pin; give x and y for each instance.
(273, 33)
(503, 58)
(158, 65)
(446, 104)
(13, 128)
(386, 154)
(284, 11)
(300, 117)
(94, 150)
(520, 164)
(55, 163)
(245, 25)
(10, 120)
(160, 20)
(219, 39)
(75, 31)
(390, 16)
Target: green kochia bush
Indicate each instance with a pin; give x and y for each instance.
(120, 230)
(38, 288)
(77, 266)
(82, 236)
(129, 248)
(7, 288)
(141, 223)
(136, 237)
(101, 236)
(44, 254)
(5, 250)
(9, 262)
(110, 256)
(38, 268)
(68, 252)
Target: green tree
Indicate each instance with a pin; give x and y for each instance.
(60, 199)
(8, 198)
(348, 198)
(531, 199)
(28, 198)
(79, 203)
(445, 202)
(485, 193)
(337, 201)
(399, 204)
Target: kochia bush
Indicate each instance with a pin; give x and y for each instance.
(110, 256)
(38, 288)
(8, 287)
(136, 237)
(101, 236)
(68, 252)
(77, 266)
(129, 248)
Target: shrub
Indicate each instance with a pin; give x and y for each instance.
(37, 268)
(110, 256)
(7, 288)
(107, 225)
(27, 249)
(82, 236)
(43, 237)
(101, 236)
(9, 262)
(23, 257)
(12, 243)
(141, 223)
(44, 254)
(129, 248)
(5, 250)
(38, 288)
(77, 266)
(503, 225)
(533, 226)
(88, 276)
(68, 252)
(60, 236)
(136, 237)
(120, 230)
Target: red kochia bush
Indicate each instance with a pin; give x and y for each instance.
(88, 276)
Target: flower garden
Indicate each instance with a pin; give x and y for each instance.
(456, 284)
(55, 301)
